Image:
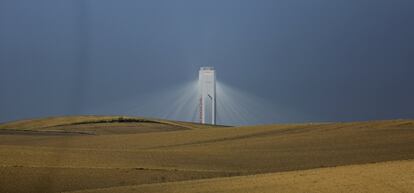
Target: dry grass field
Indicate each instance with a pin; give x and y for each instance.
(384, 177)
(129, 154)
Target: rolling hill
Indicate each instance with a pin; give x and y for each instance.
(130, 154)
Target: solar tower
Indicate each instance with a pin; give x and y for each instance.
(207, 100)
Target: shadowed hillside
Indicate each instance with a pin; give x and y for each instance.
(96, 125)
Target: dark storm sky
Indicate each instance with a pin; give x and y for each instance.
(331, 60)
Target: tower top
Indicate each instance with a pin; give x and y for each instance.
(207, 68)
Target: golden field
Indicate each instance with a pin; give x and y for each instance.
(130, 154)
(384, 177)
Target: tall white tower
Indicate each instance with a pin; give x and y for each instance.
(207, 85)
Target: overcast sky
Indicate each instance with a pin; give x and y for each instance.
(330, 60)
